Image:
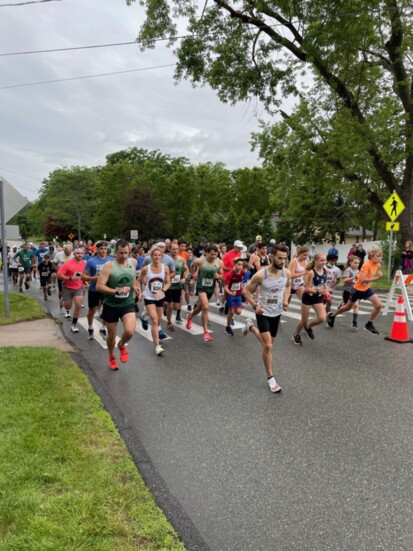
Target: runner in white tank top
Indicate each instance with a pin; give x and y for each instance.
(297, 269)
(274, 286)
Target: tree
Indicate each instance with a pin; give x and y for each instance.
(140, 211)
(344, 58)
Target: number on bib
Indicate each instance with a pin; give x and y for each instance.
(207, 282)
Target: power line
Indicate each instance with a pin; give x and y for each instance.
(72, 48)
(86, 76)
(21, 174)
(25, 3)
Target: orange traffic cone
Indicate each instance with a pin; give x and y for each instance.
(399, 330)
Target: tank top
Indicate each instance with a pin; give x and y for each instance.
(179, 270)
(154, 283)
(121, 277)
(206, 280)
(271, 294)
(319, 280)
(263, 262)
(298, 282)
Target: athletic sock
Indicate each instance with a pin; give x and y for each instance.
(74, 321)
(355, 316)
(178, 314)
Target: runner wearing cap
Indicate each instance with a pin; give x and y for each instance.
(251, 248)
(45, 270)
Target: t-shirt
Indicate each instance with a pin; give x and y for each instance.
(333, 275)
(25, 257)
(367, 271)
(45, 270)
(93, 268)
(61, 258)
(228, 259)
(70, 269)
(349, 272)
(234, 281)
(40, 254)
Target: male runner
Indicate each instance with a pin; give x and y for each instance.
(208, 269)
(173, 296)
(70, 273)
(25, 261)
(274, 286)
(117, 282)
(91, 274)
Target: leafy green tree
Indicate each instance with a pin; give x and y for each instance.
(140, 211)
(349, 58)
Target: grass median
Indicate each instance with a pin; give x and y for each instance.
(67, 480)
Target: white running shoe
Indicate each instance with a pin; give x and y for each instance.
(159, 350)
(74, 329)
(67, 315)
(274, 386)
(247, 326)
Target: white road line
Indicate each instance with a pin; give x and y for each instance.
(148, 334)
(96, 327)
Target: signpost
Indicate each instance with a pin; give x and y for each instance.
(394, 206)
(134, 235)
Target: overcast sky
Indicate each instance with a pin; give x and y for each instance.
(81, 121)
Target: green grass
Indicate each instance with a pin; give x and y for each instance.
(66, 479)
(22, 308)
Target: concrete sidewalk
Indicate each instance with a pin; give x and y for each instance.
(43, 332)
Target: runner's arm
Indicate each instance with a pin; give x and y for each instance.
(101, 283)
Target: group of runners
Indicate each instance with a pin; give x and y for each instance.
(117, 277)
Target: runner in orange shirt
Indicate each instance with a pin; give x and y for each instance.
(370, 271)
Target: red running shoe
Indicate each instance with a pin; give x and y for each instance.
(207, 337)
(124, 356)
(113, 364)
(188, 322)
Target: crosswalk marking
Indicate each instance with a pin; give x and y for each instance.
(97, 325)
(148, 333)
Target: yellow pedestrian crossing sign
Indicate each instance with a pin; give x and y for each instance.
(393, 226)
(394, 206)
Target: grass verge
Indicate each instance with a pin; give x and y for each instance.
(66, 478)
(22, 308)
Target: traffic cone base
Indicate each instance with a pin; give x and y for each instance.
(399, 331)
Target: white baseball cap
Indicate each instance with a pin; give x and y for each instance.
(238, 243)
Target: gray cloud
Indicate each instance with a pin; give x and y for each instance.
(81, 121)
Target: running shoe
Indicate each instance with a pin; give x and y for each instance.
(218, 304)
(26, 285)
(354, 325)
(297, 340)
(162, 335)
(330, 319)
(188, 322)
(145, 324)
(159, 350)
(370, 327)
(49, 292)
(113, 364)
(248, 324)
(179, 321)
(207, 337)
(222, 310)
(229, 331)
(103, 333)
(171, 326)
(309, 332)
(90, 334)
(274, 386)
(67, 315)
(74, 329)
(124, 356)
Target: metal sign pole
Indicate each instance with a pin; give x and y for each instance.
(390, 251)
(4, 253)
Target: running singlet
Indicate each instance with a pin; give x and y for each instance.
(120, 277)
(271, 294)
(319, 280)
(179, 270)
(154, 283)
(263, 262)
(206, 277)
(298, 282)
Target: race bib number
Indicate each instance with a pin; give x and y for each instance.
(236, 286)
(176, 279)
(272, 301)
(155, 286)
(21, 269)
(207, 282)
(99, 268)
(121, 295)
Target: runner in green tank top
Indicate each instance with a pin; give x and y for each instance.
(173, 296)
(117, 281)
(208, 269)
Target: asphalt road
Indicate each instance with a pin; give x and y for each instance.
(326, 465)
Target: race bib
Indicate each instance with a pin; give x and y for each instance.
(98, 269)
(21, 269)
(236, 286)
(119, 294)
(155, 286)
(272, 301)
(176, 279)
(207, 282)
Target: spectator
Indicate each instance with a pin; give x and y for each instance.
(407, 258)
(361, 253)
